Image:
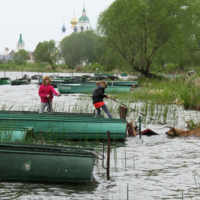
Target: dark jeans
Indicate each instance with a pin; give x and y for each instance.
(104, 107)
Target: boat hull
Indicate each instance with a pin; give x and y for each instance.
(63, 128)
(21, 163)
(65, 114)
(123, 83)
(88, 89)
(5, 81)
(14, 133)
(20, 82)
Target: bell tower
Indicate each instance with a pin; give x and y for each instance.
(20, 44)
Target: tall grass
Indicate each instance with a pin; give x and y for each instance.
(184, 90)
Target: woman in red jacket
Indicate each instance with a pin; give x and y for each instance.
(46, 92)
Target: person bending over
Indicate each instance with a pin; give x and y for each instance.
(98, 95)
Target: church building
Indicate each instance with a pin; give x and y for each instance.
(83, 24)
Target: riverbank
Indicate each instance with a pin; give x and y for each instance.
(181, 91)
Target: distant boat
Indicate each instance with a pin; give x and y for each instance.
(36, 77)
(123, 83)
(124, 74)
(5, 81)
(25, 80)
(20, 82)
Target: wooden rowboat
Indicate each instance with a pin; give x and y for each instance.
(41, 163)
(88, 89)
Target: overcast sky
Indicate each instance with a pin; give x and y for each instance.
(40, 20)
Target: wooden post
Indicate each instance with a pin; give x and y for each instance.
(133, 126)
(108, 155)
(123, 112)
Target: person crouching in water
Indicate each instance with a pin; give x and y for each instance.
(98, 95)
(46, 92)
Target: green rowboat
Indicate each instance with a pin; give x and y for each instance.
(88, 89)
(123, 83)
(169, 76)
(41, 163)
(66, 128)
(124, 74)
(20, 82)
(64, 114)
(5, 81)
(98, 74)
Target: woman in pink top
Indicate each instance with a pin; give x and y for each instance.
(46, 92)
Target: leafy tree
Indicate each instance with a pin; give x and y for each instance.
(138, 30)
(107, 57)
(78, 48)
(47, 52)
(21, 57)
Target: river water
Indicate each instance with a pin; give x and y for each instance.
(150, 168)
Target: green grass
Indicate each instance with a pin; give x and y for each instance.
(185, 90)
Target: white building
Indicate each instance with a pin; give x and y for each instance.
(84, 22)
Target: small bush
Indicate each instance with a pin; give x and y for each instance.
(79, 68)
(48, 68)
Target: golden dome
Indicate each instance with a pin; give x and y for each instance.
(74, 22)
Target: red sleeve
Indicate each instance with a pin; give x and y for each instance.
(41, 94)
(53, 90)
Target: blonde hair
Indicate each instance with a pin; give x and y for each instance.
(46, 78)
(102, 82)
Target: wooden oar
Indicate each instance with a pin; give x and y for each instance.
(50, 105)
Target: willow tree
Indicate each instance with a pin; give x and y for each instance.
(138, 29)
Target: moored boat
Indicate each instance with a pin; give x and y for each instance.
(64, 114)
(124, 74)
(123, 83)
(36, 77)
(169, 76)
(20, 82)
(66, 128)
(88, 89)
(42, 163)
(5, 81)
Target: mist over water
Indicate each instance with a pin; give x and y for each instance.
(150, 168)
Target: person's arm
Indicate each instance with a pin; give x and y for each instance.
(101, 93)
(54, 92)
(41, 94)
